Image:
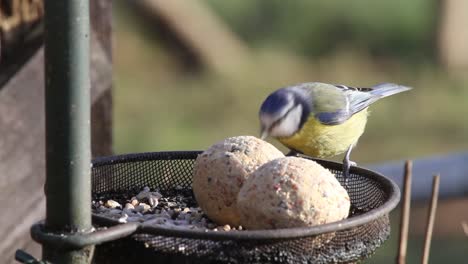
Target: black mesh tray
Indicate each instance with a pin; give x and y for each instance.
(372, 198)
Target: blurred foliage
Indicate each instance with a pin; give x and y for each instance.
(382, 28)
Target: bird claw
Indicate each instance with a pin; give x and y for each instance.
(346, 166)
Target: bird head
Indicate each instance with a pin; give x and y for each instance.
(283, 112)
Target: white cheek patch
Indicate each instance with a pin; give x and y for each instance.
(268, 120)
(289, 124)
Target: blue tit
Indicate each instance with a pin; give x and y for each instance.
(321, 120)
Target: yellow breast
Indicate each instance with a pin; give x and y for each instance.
(319, 140)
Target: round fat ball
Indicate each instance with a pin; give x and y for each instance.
(291, 192)
(220, 172)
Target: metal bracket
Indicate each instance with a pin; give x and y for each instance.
(81, 239)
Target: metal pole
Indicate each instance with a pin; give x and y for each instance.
(67, 93)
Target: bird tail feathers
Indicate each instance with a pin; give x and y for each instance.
(387, 89)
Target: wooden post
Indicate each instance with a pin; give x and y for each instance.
(22, 164)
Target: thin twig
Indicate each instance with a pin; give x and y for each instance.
(431, 218)
(405, 213)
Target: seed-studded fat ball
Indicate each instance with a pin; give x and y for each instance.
(291, 192)
(220, 172)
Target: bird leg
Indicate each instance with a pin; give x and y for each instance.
(347, 164)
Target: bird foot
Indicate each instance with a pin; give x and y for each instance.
(346, 166)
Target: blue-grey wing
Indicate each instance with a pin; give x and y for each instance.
(361, 98)
(334, 104)
(330, 105)
(333, 118)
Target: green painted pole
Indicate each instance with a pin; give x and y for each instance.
(67, 93)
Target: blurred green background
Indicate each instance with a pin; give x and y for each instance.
(161, 105)
(165, 99)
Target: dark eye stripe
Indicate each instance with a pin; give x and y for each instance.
(274, 124)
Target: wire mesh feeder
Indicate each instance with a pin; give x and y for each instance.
(372, 198)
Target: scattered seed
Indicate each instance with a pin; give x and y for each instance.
(172, 209)
(112, 204)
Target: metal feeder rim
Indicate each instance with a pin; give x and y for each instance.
(265, 234)
(77, 240)
(144, 156)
